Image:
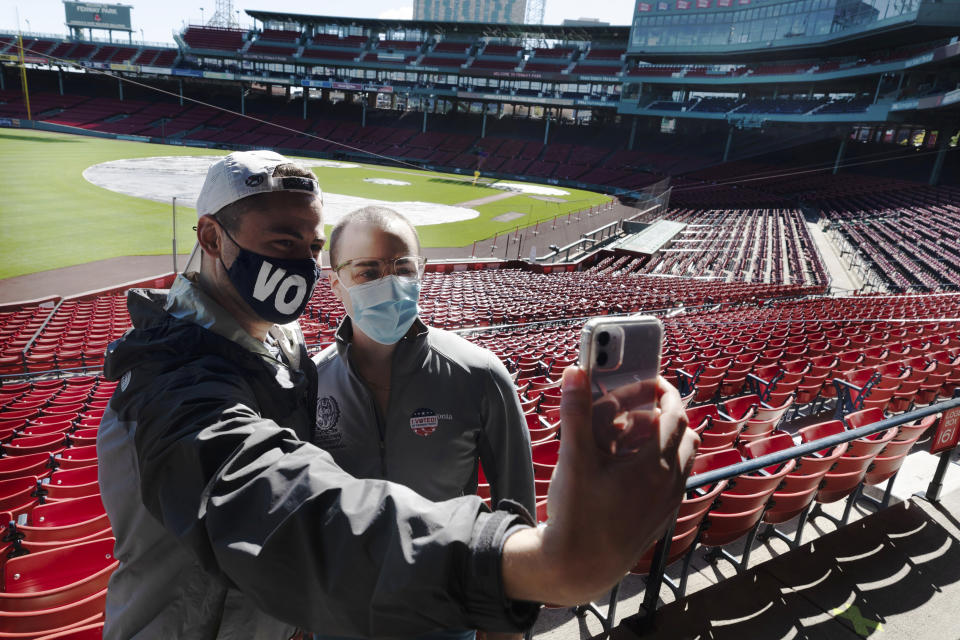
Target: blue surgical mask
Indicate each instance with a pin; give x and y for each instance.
(386, 308)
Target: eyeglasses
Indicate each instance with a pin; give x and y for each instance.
(370, 269)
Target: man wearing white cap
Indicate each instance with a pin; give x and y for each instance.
(230, 523)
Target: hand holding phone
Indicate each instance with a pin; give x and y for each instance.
(621, 356)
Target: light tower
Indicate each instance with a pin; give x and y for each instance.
(224, 16)
(535, 11)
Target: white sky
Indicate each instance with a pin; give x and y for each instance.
(159, 19)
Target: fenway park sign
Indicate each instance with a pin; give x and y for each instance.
(91, 15)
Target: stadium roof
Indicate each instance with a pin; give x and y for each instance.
(488, 29)
(846, 45)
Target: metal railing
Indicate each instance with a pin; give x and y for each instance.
(644, 618)
(587, 242)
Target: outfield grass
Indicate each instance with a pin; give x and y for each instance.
(51, 217)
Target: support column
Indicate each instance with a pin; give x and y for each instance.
(59, 79)
(726, 149)
(633, 133)
(942, 137)
(900, 82)
(546, 128)
(483, 123)
(363, 114)
(120, 89)
(306, 92)
(243, 100)
(876, 94)
(424, 128)
(3, 82)
(840, 152)
(180, 82)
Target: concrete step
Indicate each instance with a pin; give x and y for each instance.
(893, 574)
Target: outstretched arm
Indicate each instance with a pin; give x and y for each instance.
(605, 508)
(313, 546)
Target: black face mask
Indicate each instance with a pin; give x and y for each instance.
(277, 289)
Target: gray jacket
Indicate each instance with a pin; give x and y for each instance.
(231, 524)
(451, 404)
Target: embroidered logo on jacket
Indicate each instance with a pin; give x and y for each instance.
(326, 434)
(424, 421)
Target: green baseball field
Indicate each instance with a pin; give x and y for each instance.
(70, 199)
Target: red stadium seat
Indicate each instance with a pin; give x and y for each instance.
(796, 492)
(84, 632)
(84, 437)
(57, 577)
(51, 526)
(77, 457)
(545, 454)
(26, 445)
(36, 464)
(72, 483)
(45, 428)
(18, 494)
(697, 416)
(30, 624)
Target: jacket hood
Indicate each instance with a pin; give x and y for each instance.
(156, 334)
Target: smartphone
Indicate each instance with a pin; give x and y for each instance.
(615, 351)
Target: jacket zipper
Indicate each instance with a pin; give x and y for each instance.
(380, 433)
(381, 437)
(381, 426)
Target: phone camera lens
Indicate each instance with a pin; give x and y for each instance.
(602, 357)
(603, 338)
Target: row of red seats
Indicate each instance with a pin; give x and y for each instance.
(56, 554)
(545, 452)
(717, 515)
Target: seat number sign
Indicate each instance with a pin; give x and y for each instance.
(948, 431)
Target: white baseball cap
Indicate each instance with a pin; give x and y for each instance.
(247, 173)
(242, 174)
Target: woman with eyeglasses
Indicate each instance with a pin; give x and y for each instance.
(405, 402)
